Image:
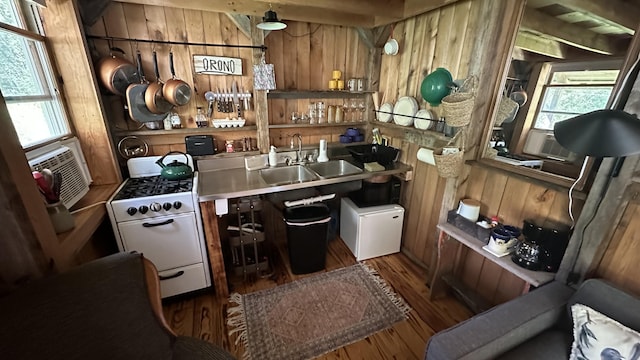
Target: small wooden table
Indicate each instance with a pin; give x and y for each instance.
(446, 261)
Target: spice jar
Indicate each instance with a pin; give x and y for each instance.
(176, 123)
(201, 120)
(229, 146)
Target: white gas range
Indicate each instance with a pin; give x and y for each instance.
(161, 219)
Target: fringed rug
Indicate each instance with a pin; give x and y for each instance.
(315, 315)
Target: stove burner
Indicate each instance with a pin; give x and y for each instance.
(152, 185)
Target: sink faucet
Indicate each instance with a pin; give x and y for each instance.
(299, 157)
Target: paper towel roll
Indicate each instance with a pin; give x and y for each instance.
(426, 155)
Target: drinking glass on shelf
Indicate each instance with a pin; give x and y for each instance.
(361, 108)
(353, 108)
(313, 113)
(345, 110)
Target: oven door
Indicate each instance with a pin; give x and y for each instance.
(168, 241)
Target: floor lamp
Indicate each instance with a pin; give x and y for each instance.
(602, 133)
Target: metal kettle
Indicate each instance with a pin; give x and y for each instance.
(175, 170)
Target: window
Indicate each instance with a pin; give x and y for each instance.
(27, 82)
(572, 89)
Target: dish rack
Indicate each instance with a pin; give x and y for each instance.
(247, 239)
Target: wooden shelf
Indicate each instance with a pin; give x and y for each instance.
(535, 278)
(185, 131)
(342, 124)
(314, 94)
(87, 221)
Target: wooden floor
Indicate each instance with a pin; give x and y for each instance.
(203, 316)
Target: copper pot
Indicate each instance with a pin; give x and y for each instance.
(176, 91)
(117, 73)
(153, 98)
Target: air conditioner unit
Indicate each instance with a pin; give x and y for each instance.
(542, 143)
(66, 158)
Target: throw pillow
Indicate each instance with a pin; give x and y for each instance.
(597, 337)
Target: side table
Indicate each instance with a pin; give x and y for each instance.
(443, 275)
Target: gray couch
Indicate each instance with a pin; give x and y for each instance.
(106, 309)
(537, 325)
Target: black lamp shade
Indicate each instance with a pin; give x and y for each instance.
(601, 133)
(270, 16)
(270, 22)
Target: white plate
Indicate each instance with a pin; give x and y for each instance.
(391, 47)
(405, 110)
(423, 119)
(384, 114)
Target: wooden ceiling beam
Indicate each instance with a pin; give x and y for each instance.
(614, 12)
(412, 8)
(391, 8)
(376, 37)
(417, 7)
(242, 22)
(254, 8)
(540, 45)
(538, 22)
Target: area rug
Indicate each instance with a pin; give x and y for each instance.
(315, 315)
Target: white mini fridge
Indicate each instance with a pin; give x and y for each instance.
(371, 231)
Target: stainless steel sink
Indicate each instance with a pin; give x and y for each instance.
(287, 175)
(334, 168)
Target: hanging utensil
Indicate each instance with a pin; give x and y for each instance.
(117, 73)
(153, 98)
(236, 99)
(520, 96)
(210, 97)
(137, 107)
(176, 91)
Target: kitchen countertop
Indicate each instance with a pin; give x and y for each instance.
(231, 181)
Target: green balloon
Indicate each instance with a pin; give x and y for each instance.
(436, 86)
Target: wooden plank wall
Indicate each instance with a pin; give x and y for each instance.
(304, 55)
(443, 38)
(147, 22)
(617, 255)
(513, 200)
(428, 41)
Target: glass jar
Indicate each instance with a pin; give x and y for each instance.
(339, 114)
(320, 111)
(167, 122)
(313, 114)
(229, 146)
(331, 114)
(201, 120)
(176, 122)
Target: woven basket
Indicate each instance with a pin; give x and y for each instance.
(505, 109)
(450, 165)
(458, 106)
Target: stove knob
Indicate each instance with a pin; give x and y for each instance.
(166, 206)
(177, 204)
(155, 206)
(143, 209)
(132, 211)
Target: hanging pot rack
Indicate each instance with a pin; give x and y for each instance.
(111, 38)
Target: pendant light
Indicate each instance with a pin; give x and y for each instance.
(270, 21)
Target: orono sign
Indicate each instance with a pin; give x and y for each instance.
(217, 65)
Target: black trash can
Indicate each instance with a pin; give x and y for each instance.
(307, 237)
